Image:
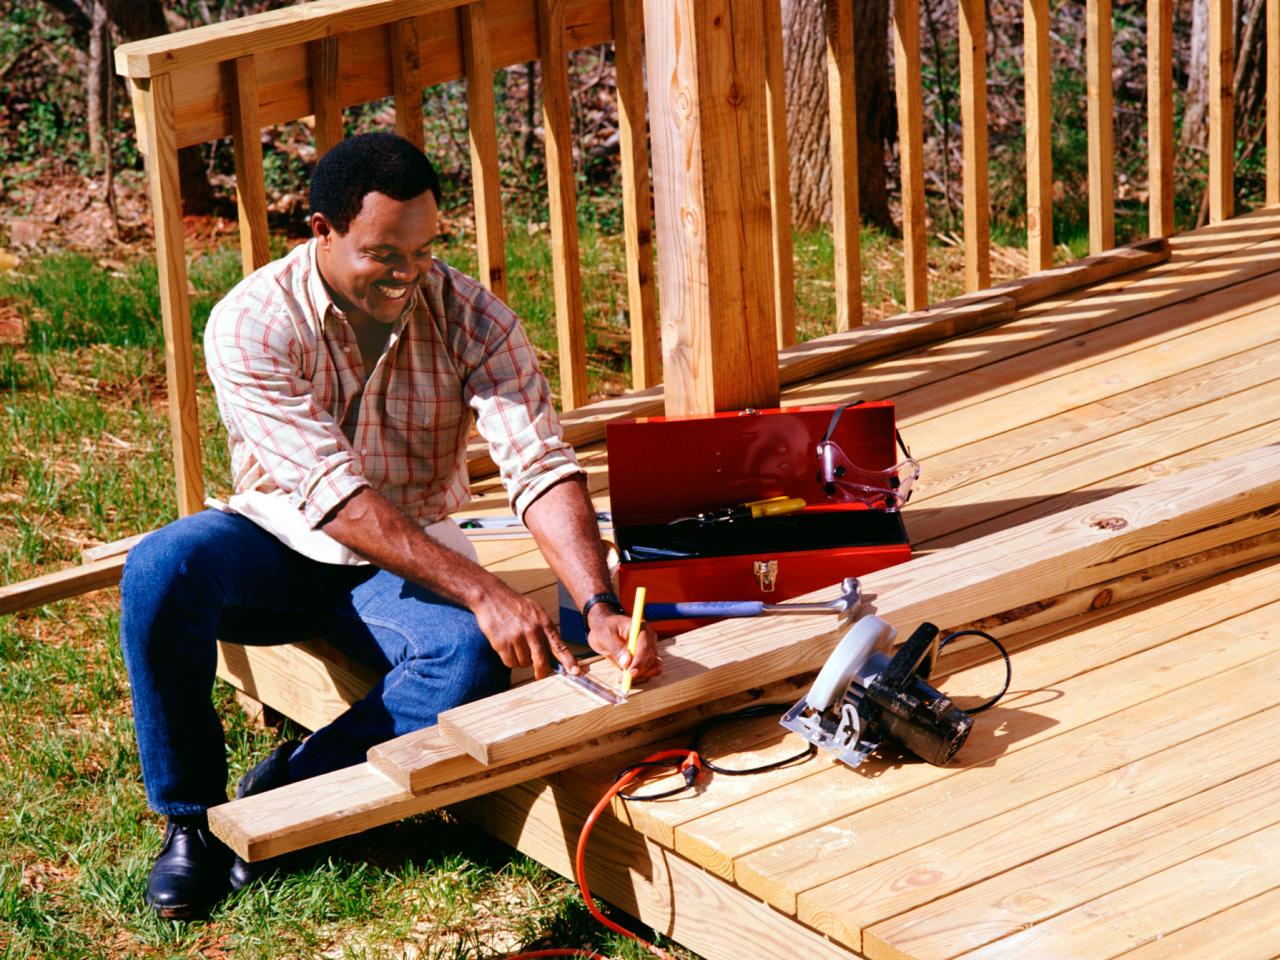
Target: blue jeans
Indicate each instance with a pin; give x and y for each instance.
(214, 575)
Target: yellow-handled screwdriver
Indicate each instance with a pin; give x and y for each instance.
(752, 510)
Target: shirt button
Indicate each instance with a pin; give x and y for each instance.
(346, 349)
(364, 451)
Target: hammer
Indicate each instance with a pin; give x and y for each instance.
(849, 600)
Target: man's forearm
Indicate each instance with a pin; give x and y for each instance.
(563, 522)
(372, 526)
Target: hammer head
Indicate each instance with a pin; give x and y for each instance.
(850, 599)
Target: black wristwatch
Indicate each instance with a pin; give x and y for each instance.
(609, 599)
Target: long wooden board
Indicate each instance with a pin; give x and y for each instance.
(925, 873)
(1028, 563)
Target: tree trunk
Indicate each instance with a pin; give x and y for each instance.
(136, 20)
(808, 129)
(99, 86)
(1195, 116)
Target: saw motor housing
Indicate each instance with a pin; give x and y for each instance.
(863, 698)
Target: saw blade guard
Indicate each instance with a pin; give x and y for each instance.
(864, 638)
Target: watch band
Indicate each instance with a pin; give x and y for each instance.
(608, 597)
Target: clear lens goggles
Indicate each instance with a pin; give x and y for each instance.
(845, 482)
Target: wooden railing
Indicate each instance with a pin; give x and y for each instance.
(318, 58)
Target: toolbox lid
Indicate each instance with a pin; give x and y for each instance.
(661, 468)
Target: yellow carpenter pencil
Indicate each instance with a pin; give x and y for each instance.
(637, 618)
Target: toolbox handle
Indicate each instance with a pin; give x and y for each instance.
(705, 608)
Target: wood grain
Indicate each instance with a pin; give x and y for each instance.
(1222, 135)
(973, 119)
(985, 573)
(482, 136)
(566, 263)
(846, 219)
(844, 907)
(637, 206)
(663, 889)
(907, 67)
(1100, 121)
(784, 270)
(263, 33)
(60, 584)
(406, 81)
(1038, 76)
(1272, 148)
(1160, 117)
(322, 57)
(175, 309)
(251, 189)
(708, 127)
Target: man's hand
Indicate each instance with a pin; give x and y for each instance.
(520, 631)
(608, 636)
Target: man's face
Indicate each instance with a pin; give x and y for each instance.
(373, 268)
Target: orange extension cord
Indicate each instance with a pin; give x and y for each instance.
(688, 760)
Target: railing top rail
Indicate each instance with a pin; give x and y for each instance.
(264, 32)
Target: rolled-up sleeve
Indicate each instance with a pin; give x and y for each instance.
(269, 406)
(514, 413)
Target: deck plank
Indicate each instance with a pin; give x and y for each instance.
(737, 816)
(1094, 867)
(927, 873)
(1249, 928)
(1139, 913)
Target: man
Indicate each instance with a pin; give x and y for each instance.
(347, 375)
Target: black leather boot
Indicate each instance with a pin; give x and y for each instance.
(190, 875)
(266, 775)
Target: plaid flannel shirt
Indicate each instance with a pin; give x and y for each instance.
(284, 365)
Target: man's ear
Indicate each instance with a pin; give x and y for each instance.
(322, 229)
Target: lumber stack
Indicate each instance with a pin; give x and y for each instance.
(1108, 551)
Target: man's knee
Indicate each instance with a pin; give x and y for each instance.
(166, 568)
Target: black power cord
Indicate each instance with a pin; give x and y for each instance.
(1008, 664)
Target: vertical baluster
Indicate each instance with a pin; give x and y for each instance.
(157, 119)
(906, 55)
(846, 222)
(1038, 72)
(565, 260)
(322, 55)
(1102, 190)
(646, 340)
(973, 116)
(406, 84)
(486, 178)
(251, 188)
(1221, 110)
(784, 272)
(1160, 115)
(1273, 101)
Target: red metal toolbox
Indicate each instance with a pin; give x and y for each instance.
(665, 468)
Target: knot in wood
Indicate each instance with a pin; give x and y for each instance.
(1102, 599)
(1110, 523)
(734, 94)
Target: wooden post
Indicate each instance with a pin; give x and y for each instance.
(906, 69)
(562, 199)
(486, 175)
(322, 55)
(637, 208)
(402, 36)
(973, 118)
(1160, 116)
(1038, 74)
(784, 268)
(251, 190)
(846, 217)
(1222, 135)
(166, 214)
(1102, 202)
(711, 179)
(1273, 102)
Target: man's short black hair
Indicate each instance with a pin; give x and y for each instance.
(369, 163)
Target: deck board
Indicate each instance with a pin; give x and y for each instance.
(1123, 790)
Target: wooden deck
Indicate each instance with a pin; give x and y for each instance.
(1123, 799)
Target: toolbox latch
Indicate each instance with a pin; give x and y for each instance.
(766, 572)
